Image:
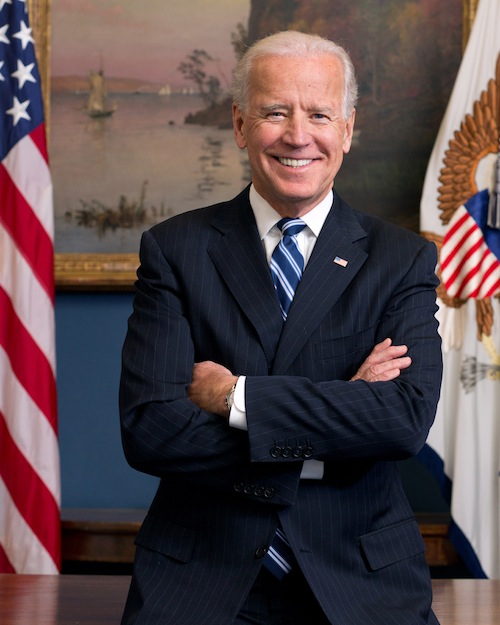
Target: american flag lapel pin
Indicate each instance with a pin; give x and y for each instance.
(340, 261)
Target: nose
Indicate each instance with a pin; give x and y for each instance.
(296, 133)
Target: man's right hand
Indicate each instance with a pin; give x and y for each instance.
(384, 363)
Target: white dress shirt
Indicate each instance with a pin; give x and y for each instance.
(267, 218)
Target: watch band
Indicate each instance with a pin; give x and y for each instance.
(229, 400)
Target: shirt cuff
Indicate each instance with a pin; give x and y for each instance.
(238, 414)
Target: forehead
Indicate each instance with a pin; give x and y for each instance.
(290, 76)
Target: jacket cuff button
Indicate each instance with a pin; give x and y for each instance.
(308, 452)
(275, 452)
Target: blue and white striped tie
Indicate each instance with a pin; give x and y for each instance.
(287, 265)
(278, 560)
(287, 262)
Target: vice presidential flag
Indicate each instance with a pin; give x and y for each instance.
(460, 211)
(29, 455)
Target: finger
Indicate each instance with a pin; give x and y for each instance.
(387, 376)
(387, 355)
(395, 363)
(384, 371)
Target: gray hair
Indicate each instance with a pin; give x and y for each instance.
(295, 44)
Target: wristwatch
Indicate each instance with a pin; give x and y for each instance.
(229, 401)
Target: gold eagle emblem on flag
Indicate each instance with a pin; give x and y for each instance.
(475, 143)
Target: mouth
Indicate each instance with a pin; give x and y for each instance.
(295, 162)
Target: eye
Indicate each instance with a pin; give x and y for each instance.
(276, 114)
(320, 116)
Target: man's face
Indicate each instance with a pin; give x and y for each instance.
(294, 130)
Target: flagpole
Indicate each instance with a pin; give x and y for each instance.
(39, 12)
(469, 10)
(494, 205)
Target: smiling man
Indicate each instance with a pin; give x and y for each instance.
(295, 129)
(281, 358)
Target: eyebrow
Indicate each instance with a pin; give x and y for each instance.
(322, 109)
(327, 110)
(273, 107)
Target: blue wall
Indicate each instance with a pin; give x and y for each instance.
(90, 329)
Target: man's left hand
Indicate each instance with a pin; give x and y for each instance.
(385, 363)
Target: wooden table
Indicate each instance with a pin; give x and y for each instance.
(62, 599)
(99, 600)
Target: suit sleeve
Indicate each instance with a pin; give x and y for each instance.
(163, 432)
(337, 420)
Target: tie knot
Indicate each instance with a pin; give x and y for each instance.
(291, 226)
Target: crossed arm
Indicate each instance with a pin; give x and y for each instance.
(211, 382)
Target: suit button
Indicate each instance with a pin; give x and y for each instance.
(248, 489)
(297, 452)
(308, 452)
(286, 452)
(275, 452)
(259, 491)
(238, 487)
(269, 493)
(261, 552)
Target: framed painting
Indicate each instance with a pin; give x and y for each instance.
(139, 118)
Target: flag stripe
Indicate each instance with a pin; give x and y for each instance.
(38, 135)
(476, 281)
(23, 159)
(5, 564)
(452, 235)
(28, 427)
(27, 231)
(469, 269)
(29, 364)
(484, 290)
(23, 550)
(22, 287)
(458, 258)
(28, 492)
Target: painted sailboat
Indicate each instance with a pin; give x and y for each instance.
(97, 105)
(165, 90)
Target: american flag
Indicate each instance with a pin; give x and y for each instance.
(470, 256)
(29, 453)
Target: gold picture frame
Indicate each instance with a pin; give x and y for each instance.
(112, 271)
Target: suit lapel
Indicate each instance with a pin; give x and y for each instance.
(239, 258)
(324, 280)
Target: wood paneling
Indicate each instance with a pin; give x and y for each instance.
(107, 536)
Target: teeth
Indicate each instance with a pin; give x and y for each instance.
(293, 162)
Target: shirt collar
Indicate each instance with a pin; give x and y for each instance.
(266, 217)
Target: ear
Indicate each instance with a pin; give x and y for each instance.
(348, 132)
(239, 127)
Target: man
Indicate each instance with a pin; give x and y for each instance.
(262, 404)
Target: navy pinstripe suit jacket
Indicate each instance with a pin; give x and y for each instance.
(204, 292)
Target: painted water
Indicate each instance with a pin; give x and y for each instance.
(143, 149)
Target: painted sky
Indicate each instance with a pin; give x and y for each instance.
(142, 39)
